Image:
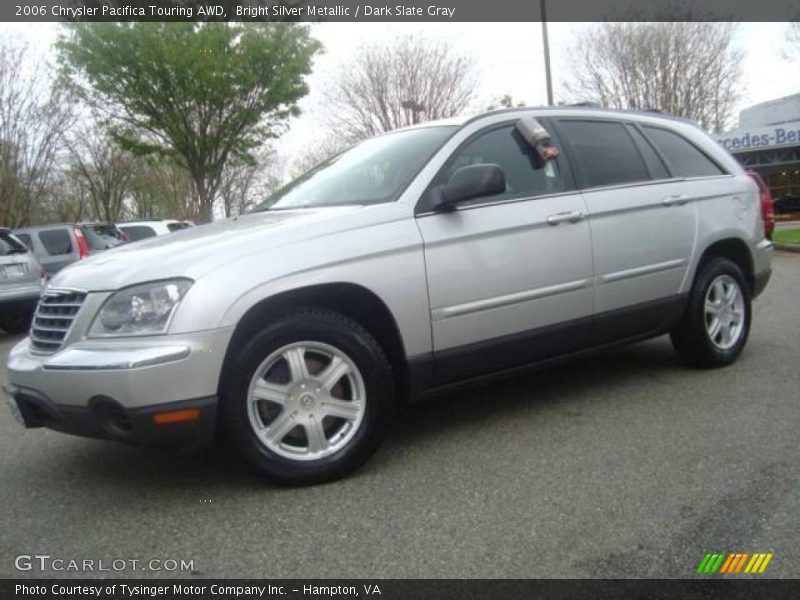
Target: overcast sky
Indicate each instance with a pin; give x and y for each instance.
(508, 58)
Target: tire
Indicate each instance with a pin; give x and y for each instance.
(16, 323)
(289, 435)
(696, 339)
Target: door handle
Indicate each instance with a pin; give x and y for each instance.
(676, 200)
(565, 217)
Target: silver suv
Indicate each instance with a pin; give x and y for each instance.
(416, 261)
(20, 283)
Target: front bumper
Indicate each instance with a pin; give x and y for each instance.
(184, 424)
(120, 389)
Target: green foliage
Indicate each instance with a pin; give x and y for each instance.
(198, 94)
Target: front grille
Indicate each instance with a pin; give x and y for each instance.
(53, 319)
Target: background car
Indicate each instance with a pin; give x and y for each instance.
(57, 246)
(20, 283)
(140, 230)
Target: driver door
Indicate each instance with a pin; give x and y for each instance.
(509, 276)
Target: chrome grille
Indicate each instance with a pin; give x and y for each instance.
(53, 319)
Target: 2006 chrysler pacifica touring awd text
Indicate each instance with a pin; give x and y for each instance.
(417, 260)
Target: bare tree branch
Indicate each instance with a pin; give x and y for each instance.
(689, 69)
(387, 87)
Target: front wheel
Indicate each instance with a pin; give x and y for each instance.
(715, 326)
(308, 398)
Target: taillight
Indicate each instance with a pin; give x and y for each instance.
(83, 247)
(767, 210)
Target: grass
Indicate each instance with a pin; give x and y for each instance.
(786, 236)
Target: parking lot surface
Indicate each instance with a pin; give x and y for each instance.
(627, 464)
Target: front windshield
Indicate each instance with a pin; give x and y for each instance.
(374, 171)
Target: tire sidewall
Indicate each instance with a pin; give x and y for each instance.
(317, 327)
(709, 273)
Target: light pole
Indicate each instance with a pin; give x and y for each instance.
(546, 43)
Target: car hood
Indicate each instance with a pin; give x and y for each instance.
(197, 250)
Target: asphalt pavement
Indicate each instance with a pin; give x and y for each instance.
(627, 464)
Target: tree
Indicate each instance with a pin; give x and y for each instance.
(689, 69)
(198, 94)
(32, 125)
(245, 183)
(792, 49)
(103, 170)
(408, 82)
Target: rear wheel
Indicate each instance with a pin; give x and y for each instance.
(714, 329)
(307, 399)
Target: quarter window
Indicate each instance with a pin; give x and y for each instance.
(138, 232)
(683, 158)
(506, 148)
(605, 152)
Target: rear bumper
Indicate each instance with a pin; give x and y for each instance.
(21, 298)
(189, 423)
(761, 281)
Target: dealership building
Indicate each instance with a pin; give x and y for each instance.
(768, 142)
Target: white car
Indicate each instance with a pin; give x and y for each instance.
(141, 230)
(415, 262)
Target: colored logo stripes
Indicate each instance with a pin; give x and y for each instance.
(734, 562)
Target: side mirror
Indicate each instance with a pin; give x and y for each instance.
(473, 181)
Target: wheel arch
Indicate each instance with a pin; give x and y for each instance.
(734, 249)
(350, 299)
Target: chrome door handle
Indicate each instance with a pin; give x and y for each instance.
(676, 200)
(565, 217)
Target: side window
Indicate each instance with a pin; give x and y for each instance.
(506, 148)
(56, 241)
(683, 157)
(138, 232)
(605, 152)
(654, 162)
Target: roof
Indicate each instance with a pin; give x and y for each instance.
(462, 120)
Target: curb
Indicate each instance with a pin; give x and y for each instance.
(787, 247)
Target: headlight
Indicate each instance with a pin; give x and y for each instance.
(140, 310)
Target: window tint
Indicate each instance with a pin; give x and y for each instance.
(684, 159)
(506, 148)
(25, 238)
(56, 241)
(138, 232)
(605, 152)
(654, 163)
(101, 237)
(10, 245)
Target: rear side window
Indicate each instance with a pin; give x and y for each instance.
(654, 163)
(100, 237)
(683, 158)
(605, 152)
(177, 226)
(138, 232)
(10, 245)
(57, 242)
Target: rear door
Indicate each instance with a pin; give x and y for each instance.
(18, 269)
(509, 276)
(643, 225)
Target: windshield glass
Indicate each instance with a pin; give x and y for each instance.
(375, 171)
